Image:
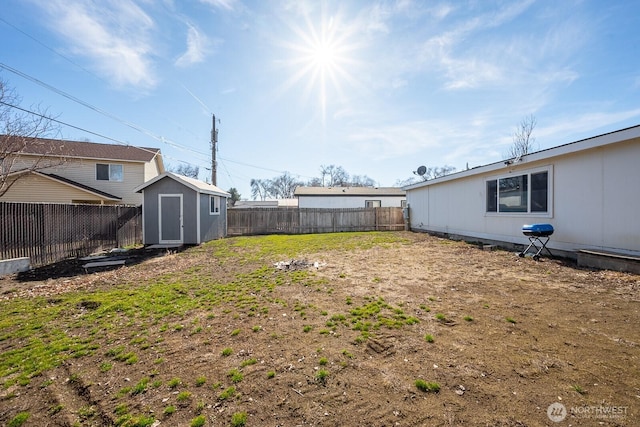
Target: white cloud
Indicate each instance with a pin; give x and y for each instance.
(197, 44)
(113, 35)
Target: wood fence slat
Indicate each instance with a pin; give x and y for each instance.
(48, 232)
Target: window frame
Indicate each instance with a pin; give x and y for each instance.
(110, 172)
(495, 179)
(373, 203)
(214, 205)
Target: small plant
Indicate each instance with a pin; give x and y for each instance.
(256, 328)
(235, 332)
(323, 361)
(227, 352)
(174, 382)
(468, 318)
(239, 419)
(235, 375)
(227, 393)
(428, 338)
(105, 367)
(199, 407)
(425, 386)
(578, 389)
(248, 362)
(321, 376)
(510, 320)
(169, 410)
(347, 354)
(198, 421)
(183, 396)
(441, 317)
(141, 387)
(307, 328)
(55, 409)
(271, 374)
(200, 381)
(19, 419)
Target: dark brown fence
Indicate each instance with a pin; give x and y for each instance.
(47, 233)
(251, 221)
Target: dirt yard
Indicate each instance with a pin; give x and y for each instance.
(341, 339)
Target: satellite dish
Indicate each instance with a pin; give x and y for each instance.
(422, 170)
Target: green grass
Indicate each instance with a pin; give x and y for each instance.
(428, 338)
(227, 351)
(321, 376)
(510, 320)
(36, 330)
(198, 421)
(239, 419)
(18, 420)
(425, 386)
(227, 393)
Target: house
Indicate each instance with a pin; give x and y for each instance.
(180, 210)
(349, 197)
(587, 190)
(61, 171)
(261, 204)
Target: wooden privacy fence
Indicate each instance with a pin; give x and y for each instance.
(251, 221)
(47, 233)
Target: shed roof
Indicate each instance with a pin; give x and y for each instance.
(349, 191)
(78, 149)
(194, 184)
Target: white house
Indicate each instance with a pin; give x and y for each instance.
(349, 197)
(589, 190)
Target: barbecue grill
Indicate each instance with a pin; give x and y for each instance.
(538, 235)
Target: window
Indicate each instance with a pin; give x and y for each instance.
(372, 203)
(108, 172)
(214, 205)
(526, 193)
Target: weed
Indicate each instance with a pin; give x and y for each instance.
(227, 352)
(428, 338)
(441, 317)
(200, 381)
(323, 361)
(199, 407)
(19, 419)
(105, 367)
(271, 374)
(141, 387)
(183, 396)
(256, 328)
(248, 362)
(174, 382)
(425, 386)
(235, 375)
(468, 318)
(239, 419)
(55, 409)
(510, 320)
(307, 328)
(425, 308)
(321, 376)
(227, 393)
(347, 354)
(169, 410)
(578, 389)
(198, 421)
(349, 301)
(235, 332)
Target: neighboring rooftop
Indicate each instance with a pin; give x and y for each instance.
(77, 149)
(349, 191)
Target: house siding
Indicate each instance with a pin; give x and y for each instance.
(594, 201)
(33, 187)
(341, 202)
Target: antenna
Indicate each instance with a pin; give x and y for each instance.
(421, 170)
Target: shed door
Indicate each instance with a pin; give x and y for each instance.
(170, 218)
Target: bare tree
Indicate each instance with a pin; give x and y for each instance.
(23, 147)
(260, 188)
(334, 176)
(523, 139)
(284, 186)
(185, 170)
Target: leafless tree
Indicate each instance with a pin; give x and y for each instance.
(259, 188)
(334, 176)
(523, 139)
(24, 130)
(185, 170)
(284, 186)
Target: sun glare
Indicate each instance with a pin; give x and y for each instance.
(322, 54)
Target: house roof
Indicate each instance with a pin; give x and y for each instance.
(349, 191)
(194, 184)
(72, 183)
(77, 149)
(614, 137)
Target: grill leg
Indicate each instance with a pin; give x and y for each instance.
(532, 244)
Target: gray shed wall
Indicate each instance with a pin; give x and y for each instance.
(212, 227)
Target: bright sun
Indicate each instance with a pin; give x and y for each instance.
(322, 55)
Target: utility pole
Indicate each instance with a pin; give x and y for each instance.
(214, 148)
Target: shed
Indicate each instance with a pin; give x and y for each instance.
(180, 210)
(588, 191)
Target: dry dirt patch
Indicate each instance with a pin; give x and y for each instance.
(511, 336)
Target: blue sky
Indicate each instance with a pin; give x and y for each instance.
(377, 87)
